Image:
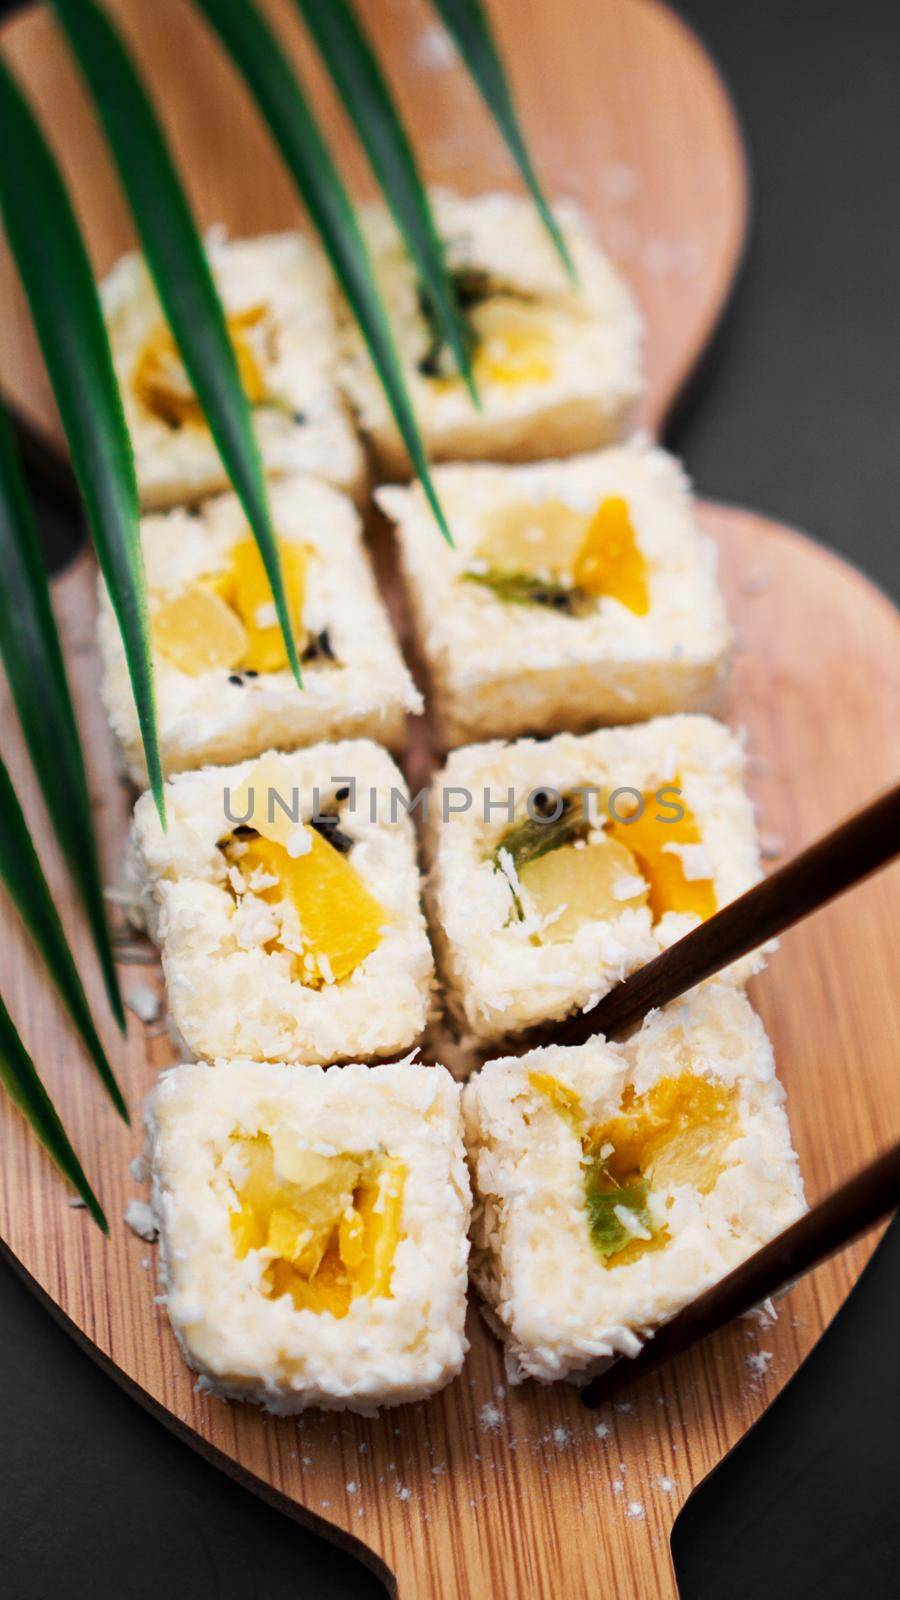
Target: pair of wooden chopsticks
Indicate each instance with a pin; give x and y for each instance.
(866, 841)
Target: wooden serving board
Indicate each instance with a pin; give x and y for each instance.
(482, 1492)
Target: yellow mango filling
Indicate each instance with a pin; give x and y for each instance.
(546, 554)
(331, 1223)
(340, 920)
(610, 562)
(163, 387)
(676, 1132)
(647, 836)
(227, 618)
(577, 884)
(513, 345)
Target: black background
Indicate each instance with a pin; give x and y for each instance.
(796, 414)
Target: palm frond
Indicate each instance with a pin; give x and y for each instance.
(29, 646)
(52, 261)
(467, 23)
(23, 878)
(21, 1082)
(258, 56)
(355, 71)
(180, 269)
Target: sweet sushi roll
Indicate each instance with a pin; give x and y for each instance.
(556, 362)
(277, 295)
(579, 592)
(284, 897)
(224, 689)
(558, 867)
(615, 1183)
(313, 1230)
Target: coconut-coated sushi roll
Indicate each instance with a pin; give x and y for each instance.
(284, 897)
(559, 867)
(224, 688)
(313, 1230)
(578, 593)
(556, 361)
(279, 303)
(615, 1183)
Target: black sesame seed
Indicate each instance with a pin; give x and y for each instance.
(235, 677)
(327, 826)
(251, 672)
(343, 793)
(300, 418)
(543, 803)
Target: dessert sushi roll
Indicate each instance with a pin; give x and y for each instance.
(578, 593)
(224, 688)
(313, 1230)
(615, 1183)
(558, 867)
(556, 361)
(278, 299)
(284, 897)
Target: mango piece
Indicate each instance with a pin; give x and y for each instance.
(564, 1100)
(340, 920)
(580, 878)
(533, 536)
(250, 593)
(610, 561)
(646, 835)
(333, 1232)
(199, 633)
(514, 345)
(163, 387)
(675, 1132)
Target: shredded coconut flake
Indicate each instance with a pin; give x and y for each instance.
(141, 1220)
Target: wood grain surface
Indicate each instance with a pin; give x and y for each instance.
(482, 1492)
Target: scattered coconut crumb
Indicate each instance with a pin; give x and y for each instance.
(146, 1263)
(490, 1418)
(140, 1220)
(624, 1406)
(77, 1203)
(665, 1484)
(601, 1430)
(562, 1437)
(618, 1486)
(771, 845)
(144, 1002)
(760, 1362)
(352, 1487)
(139, 1169)
(435, 49)
(402, 1492)
(634, 1509)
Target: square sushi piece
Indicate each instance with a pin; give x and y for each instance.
(279, 303)
(579, 592)
(615, 1183)
(559, 867)
(284, 897)
(224, 689)
(313, 1230)
(556, 362)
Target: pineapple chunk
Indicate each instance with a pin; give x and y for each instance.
(199, 633)
(646, 836)
(578, 881)
(529, 536)
(163, 387)
(513, 343)
(677, 1132)
(330, 1224)
(247, 589)
(340, 921)
(610, 562)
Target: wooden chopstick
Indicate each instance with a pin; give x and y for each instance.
(866, 841)
(856, 1206)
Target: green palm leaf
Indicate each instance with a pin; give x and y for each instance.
(21, 873)
(467, 23)
(181, 272)
(347, 52)
(259, 57)
(24, 1087)
(53, 264)
(29, 645)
